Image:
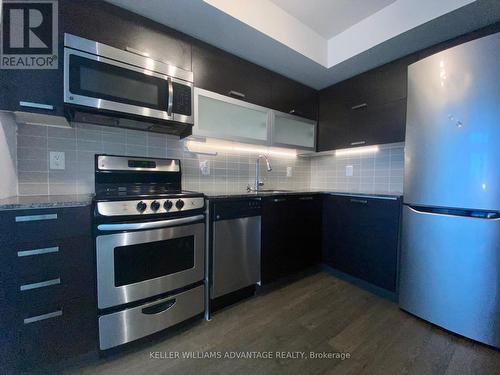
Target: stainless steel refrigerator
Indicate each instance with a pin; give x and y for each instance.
(450, 250)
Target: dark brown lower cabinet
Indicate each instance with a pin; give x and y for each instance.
(48, 309)
(291, 235)
(53, 332)
(360, 237)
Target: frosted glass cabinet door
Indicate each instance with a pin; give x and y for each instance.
(293, 131)
(223, 117)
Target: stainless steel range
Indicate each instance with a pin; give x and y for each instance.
(150, 248)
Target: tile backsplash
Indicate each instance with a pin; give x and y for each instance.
(380, 172)
(229, 171)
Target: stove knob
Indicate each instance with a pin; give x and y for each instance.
(141, 206)
(155, 205)
(168, 205)
(179, 204)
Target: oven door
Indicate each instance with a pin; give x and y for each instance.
(138, 264)
(102, 83)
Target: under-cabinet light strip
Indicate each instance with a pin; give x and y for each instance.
(212, 146)
(357, 151)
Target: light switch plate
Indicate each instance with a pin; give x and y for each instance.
(205, 167)
(289, 171)
(349, 170)
(57, 160)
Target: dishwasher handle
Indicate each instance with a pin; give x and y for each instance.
(220, 216)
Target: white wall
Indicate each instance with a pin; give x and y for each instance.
(389, 22)
(8, 156)
(268, 18)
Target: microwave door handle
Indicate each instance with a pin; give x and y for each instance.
(150, 224)
(170, 96)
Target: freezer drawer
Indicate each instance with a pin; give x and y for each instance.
(450, 273)
(236, 255)
(131, 324)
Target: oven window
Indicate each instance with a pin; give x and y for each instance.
(135, 263)
(100, 80)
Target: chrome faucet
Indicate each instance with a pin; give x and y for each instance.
(259, 183)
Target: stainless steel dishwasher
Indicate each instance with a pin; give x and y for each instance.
(235, 249)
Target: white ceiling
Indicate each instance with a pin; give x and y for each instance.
(330, 17)
(263, 33)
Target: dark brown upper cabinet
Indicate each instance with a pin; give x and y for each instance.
(37, 91)
(119, 28)
(223, 73)
(41, 91)
(293, 97)
(370, 108)
(364, 110)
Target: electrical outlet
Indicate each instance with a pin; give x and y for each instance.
(349, 170)
(57, 160)
(289, 172)
(205, 167)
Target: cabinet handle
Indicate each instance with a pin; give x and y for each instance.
(362, 201)
(38, 318)
(36, 105)
(295, 112)
(41, 284)
(237, 93)
(276, 200)
(36, 217)
(306, 198)
(47, 250)
(359, 106)
(358, 143)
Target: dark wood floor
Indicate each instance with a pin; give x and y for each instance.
(318, 313)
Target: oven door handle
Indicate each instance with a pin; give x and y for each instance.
(150, 225)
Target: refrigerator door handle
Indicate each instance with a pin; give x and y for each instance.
(473, 214)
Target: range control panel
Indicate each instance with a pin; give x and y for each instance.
(149, 206)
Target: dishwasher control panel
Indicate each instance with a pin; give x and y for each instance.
(236, 208)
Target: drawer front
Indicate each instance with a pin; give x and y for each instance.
(132, 324)
(46, 257)
(50, 287)
(53, 331)
(23, 226)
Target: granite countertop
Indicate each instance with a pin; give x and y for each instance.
(44, 201)
(59, 201)
(225, 195)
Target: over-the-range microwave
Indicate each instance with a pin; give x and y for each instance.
(110, 86)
